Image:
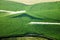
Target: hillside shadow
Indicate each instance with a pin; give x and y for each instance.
(35, 18)
(26, 15)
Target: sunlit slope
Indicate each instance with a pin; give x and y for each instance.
(46, 10)
(12, 6)
(20, 25)
(25, 38)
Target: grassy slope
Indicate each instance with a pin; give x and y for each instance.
(14, 26)
(46, 10)
(13, 6)
(19, 25)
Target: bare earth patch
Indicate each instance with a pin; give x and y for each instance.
(30, 2)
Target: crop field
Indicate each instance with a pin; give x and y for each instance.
(19, 23)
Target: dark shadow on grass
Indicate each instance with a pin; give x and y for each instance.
(28, 35)
(26, 15)
(32, 17)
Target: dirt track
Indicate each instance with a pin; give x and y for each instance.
(30, 2)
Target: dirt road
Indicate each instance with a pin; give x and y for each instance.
(30, 2)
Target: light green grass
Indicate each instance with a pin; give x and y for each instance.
(46, 10)
(13, 6)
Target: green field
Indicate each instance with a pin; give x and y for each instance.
(45, 10)
(18, 24)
